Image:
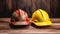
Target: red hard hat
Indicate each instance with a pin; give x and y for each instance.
(20, 17)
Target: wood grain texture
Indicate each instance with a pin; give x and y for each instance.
(5, 28)
(7, 7)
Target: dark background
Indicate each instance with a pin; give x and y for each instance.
(7, 7)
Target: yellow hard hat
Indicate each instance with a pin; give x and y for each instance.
(41, 18)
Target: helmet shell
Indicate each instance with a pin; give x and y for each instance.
(41, 18)
(20, 17)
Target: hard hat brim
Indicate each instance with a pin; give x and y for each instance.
(21, 23)
(42, 23)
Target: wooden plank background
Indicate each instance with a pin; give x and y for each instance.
(7, 7)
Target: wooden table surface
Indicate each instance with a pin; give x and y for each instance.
(54, 29)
